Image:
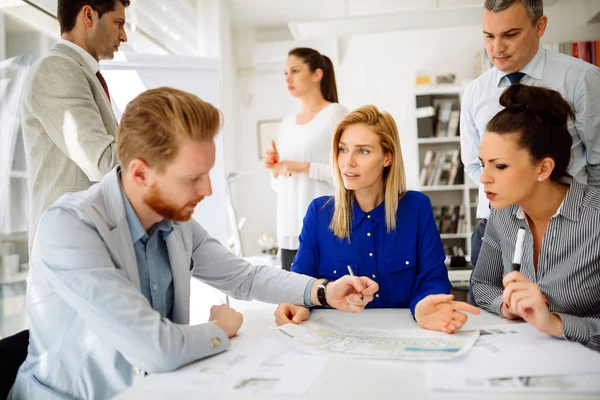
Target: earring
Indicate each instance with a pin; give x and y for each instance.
(539, 178)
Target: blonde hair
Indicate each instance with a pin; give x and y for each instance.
(155, 121)
(394, 179)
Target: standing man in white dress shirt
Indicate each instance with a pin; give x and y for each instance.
(69, 127)
(512, 30)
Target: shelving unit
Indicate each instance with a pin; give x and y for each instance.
(17, 38)
(441, 173)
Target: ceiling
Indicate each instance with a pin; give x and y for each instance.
(277, 14)
(170, 24)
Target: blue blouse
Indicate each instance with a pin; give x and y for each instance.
(408, 263)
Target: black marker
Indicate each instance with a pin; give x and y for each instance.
(516, 264)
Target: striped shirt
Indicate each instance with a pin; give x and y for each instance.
(568, 270)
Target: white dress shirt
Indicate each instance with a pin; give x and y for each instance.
(578, 82)
(310, 142)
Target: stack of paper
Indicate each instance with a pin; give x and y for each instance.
(518, 358)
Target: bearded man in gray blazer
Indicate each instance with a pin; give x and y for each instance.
(109, 283)
(68, 124)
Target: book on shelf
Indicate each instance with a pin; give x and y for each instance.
(441, 168)
(449, 219)
(443, 117)
(453, 124)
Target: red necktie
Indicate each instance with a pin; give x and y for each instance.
(103, 83)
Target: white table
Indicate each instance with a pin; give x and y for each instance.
(347, 378)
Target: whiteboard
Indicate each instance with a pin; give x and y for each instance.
(130, 74)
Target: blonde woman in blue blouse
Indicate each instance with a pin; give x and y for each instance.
(377, 228)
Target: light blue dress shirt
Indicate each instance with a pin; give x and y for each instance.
(156, 278)
(92, 332)
(578, 82)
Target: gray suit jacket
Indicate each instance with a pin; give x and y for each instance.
(69, 129)
(92, 331)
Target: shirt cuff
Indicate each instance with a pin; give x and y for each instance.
(575, 328)
(496, 306)
(307, 290)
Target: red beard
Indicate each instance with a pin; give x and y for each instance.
(154, 199)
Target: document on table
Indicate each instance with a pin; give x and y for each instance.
(250, 366)
(324, 337)
(517, 357)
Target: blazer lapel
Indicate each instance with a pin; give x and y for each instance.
(181, 265)
(79, 60)
(120, 235)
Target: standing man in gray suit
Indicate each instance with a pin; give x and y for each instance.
(109, 283)
(68, 124)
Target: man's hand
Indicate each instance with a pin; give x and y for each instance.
(525, 299)
(290, 313)
(343, 293)
(226, 318)
(439, 312)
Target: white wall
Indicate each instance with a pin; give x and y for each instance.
(374, 68)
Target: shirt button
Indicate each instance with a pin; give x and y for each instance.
(407, 263)
(377, 295)
(136, 371)
(368, 216)
(373, 276)
(214, 343)
(368, 233)
(154, 287)
(335, 271)
(370, 254)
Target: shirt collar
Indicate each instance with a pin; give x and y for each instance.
(87, 57)
(534, 69)
(136, 230)
(569, 208)
(377, 215)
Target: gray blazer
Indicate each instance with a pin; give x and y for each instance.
(69, 129)
(92, 331)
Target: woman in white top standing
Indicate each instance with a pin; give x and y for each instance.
(300, 161)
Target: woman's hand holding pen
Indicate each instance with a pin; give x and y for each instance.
(439, 312)
(525, 299)
(271, 158)
(286, 168)
(344, 293)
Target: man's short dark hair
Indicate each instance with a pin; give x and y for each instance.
(68, 10)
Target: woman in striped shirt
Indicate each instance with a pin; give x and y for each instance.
(525, 154)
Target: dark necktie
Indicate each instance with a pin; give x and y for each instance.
(103, 83)
(515, 77)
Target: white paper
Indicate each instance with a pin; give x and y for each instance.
(324, 337)
(250, 366)
(453, 380)
(517, 357)
(521, 350)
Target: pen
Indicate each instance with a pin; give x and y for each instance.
(352, 274)
(516, 264)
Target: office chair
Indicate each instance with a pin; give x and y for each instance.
(13, 351)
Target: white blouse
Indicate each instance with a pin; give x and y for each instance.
(310, 142)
